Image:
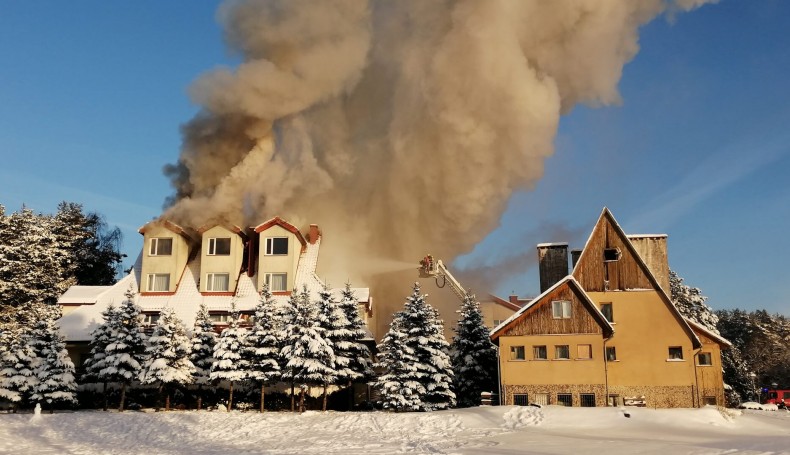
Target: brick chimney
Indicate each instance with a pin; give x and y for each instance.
(314, 234)
(552, 263)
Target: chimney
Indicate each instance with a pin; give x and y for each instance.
(513, 299)
(553, 263)
(652, 248)
(575, 257)
(314, 234)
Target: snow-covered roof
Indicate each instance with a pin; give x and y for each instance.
(550, 244)
(78, 324)
(645, 236)
(82, 295)
(713, 336)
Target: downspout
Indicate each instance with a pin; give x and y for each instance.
(499, 373)
(696, 378)
(606, 370)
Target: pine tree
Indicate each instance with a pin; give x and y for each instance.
(167, 355)
(204, 338)
(310, 358)
(96, 361)
(17, 367)
(400, 391)
(126, 350)
(263, 342)
(288, 315)
(691, 303)
(473, 355)
(54, 370)
(428, 373)
(332, 321)
(352, 355)
(229, 363)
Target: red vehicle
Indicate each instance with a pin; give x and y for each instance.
(776, 396)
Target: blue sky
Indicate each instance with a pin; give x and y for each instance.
(92, 95)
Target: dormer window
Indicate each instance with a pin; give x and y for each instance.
(611, 254)
(277, 282)
(161, 246)
(217, 282)
(219, 246)
(158, 282)
(276, 246)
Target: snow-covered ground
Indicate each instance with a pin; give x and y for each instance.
(487, 430)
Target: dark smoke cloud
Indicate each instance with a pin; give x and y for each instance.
(401, 127)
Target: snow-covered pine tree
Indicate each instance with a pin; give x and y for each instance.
(126, 348)
(54, 369)
(229, 363)
(353, 356)
(425, 340)
(17, 367)
(204, 338)
(288, 313)
(311, 360)
(263, 343)
(473, 355)
(398, 386)
(333, 323)
(97, 359)
(167, 355)
(691, 303)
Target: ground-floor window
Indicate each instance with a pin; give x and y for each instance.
(520, 399)
(541, 399)
(565, 399)
(614, 400)
(709, 401)
(587, 400)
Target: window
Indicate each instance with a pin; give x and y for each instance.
(517, 353)
(219, 246)
(219, 318)
(565, 399)
(704, 358)
(158, 282)
(561, 351)
(709, 401)
(561, 309)
(675, 353)
(161, 246)
(611, 354)
(217, 282)
(583, 351)
(520, 399)
(276, 245)
(785, 395)
(542, 399)
(614, 400)
(277, 281)
(606, 309)
(149, 318)
(587, 400)
(611, 254)
(497, 322)
(539, 353)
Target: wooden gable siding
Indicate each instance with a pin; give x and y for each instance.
(593, 273)
(539, 319)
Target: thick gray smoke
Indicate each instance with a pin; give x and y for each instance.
(400, 127)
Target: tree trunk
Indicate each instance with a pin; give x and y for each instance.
(323, 407)
(262, 396)
(350, 395)
(123, 396)
(159, 396)
(301, 399)
(104, 393)
(230, 397)
(167, 401)
(52, 407)
(200, 397)
(293, 409)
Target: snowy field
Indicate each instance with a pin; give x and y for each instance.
(489, 430)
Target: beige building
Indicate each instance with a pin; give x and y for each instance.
(607, 334)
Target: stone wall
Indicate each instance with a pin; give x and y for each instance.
(654, 396)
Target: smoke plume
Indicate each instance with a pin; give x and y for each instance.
(400, 127)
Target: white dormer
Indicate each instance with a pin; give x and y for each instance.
(165, 253)
(222, 256)
(279, 246)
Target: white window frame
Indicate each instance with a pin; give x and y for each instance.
(705, 355)
(675, 359)
(212, 246)
(210, 282)
(267, 278)
(536, 349)
(270, 246)
(150, 318)
(557, 348)
(151, 281)
(561, 309)
(219, 318)
(153, 247)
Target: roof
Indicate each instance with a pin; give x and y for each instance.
(645, 236)
(167, 224)
(606, 214)
(231, 227)
(82, 295)
(507, 303)
(277, 221)
(549, 245)
(608, 330)
(707, 333)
